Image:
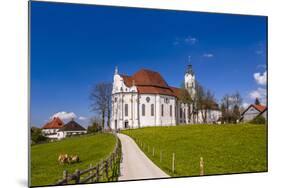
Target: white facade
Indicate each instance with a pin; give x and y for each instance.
(62, 134)
(132, 109)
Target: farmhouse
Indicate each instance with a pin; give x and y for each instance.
(56, 129)
(70, 129)
(253, 111)
(145, 99)
(51, 128)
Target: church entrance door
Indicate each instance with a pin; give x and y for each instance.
(126, 124)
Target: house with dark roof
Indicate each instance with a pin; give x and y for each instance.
(145, 99)
(56, 129)
(70, 129)
(253, 111)
(51, 128)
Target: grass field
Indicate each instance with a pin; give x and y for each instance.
(224, 148)
(45, 169)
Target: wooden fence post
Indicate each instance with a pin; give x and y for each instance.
(91, 172)
(201, 166)
(106, 169)
(110, 161)
(64, 176)
(97, 172)
(77, 174)
(173, 163)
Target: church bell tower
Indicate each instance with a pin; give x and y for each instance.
(189, 80)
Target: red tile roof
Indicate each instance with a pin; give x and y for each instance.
(176, 91)
(260, 108)
(150, 82)
(55, 123)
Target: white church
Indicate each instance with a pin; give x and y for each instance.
(145, 99)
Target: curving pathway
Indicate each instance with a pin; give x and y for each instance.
(135, 164)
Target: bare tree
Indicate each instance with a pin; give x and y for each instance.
(232, 107)
(100, 97)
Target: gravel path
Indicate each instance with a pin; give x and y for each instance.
(135, 164)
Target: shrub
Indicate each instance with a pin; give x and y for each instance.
(36, 136)
(95, 127)
(258, 120)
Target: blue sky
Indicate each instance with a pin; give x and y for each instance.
(76, 46)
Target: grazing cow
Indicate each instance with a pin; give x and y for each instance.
(74, 159)
(64, 158)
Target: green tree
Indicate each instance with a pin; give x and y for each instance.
(95, 126)
(258, 120)
(36, 135)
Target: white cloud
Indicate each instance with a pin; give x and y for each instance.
(208, 55)
(259, 93)
(245, 105)
(190, 40)
(64, 115)
(261, 78)
(82, 118)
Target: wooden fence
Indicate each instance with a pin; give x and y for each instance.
(170, 156)
(106, 170)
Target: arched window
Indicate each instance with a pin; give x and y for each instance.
(152, 109)
(143, 109)
(180, 112)
(162, 109)
(126, 109)
(171, 110)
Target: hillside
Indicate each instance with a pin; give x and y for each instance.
(90, 148)
(224, 148)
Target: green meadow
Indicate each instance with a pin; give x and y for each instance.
(225, 148)
(91, 149)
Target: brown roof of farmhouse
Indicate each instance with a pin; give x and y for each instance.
(55, 123)
(72, 126)
(150, 82)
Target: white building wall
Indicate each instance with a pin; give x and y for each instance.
(122, 95)
(212, 116)
(49, 131)
(166, 118)
(250, 114)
